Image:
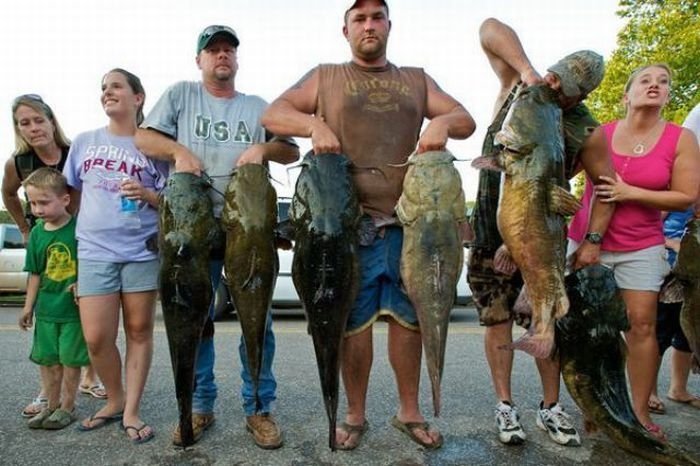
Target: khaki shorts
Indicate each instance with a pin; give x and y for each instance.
(493, 293)
(641, 270)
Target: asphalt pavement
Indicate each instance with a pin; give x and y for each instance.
(466, 421)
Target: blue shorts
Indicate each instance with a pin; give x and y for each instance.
(381, 293)
(98, 278)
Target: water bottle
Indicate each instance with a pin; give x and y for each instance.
(130, 213)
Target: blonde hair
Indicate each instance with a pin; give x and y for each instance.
(35, 102)
(639, 71)
(48, 179)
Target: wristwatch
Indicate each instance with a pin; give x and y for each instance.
(594, 237)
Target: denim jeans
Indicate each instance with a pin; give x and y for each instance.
(205, 386)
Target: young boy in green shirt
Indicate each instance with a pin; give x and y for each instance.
(59, 346)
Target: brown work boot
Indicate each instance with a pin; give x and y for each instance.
(200, 423)
(265, 430)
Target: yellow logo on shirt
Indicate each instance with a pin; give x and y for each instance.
(59, 263)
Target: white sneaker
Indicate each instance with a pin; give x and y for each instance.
(508, 423)
(558, 425)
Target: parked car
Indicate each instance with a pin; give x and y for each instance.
(13, 278)
(285, 299)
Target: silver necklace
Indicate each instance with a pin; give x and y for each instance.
(641, 147)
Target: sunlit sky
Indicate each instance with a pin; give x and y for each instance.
(61, 49)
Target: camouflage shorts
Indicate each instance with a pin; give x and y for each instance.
(494, 293)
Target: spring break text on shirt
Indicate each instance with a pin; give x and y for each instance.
(113, 158)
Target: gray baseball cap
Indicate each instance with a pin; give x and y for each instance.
(354, 5)
(580, 72)
(213, 31)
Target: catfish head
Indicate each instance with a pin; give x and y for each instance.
(597, 313)
(324, 200)
(249, 183)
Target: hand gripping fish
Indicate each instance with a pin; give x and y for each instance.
(187, 228)
(249, 218)
(430, 208)
(593, 352)
(532, 208)
(325, 213)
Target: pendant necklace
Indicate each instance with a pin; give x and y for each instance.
(640, 147)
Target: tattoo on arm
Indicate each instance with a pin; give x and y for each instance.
(303, 79)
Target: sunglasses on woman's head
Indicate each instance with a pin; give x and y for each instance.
(32, 98)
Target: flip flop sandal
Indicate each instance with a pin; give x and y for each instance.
(693, 402)
(358, 431)
(35, 407)
(101, 421)
(656, 407)
(139, 439)
(408, 429)
(655, 431)
(96, 391)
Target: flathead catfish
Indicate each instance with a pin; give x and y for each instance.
(687, 272)
(249, 218)
(593, 353)
(325, 213)
(186, 233)
(532, 207)
(430, 208)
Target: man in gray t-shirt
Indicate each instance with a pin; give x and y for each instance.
(210, 126)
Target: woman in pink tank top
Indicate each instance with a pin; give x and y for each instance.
(657, 166)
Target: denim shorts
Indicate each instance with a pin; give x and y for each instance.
(98, 278)
(641, 270)
(381, 292)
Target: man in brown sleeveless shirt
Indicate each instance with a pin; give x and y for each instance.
(372, 111)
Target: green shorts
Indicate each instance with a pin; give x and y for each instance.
(59, 343)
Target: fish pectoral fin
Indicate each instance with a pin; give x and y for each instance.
(672, 291)
(251, 270)
(488, 162)
(562, 201)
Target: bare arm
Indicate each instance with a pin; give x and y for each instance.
(685, 180)
(292, 114)
(27, 317)
(159, 146)
(273, 151)
(448, 119)
(596, 162)
(506, 55)
(74, 205)
(10, 197)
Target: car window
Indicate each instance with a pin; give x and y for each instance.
(13, 239)
(283, 210)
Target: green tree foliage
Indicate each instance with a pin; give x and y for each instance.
(666, 31)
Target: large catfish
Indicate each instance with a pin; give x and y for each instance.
(430, 209)
(532, 208)
(593, 352)
(685, 286)
(325, 213)
(187, 230)
(249, 218)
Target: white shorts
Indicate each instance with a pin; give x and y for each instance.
(641, 270)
